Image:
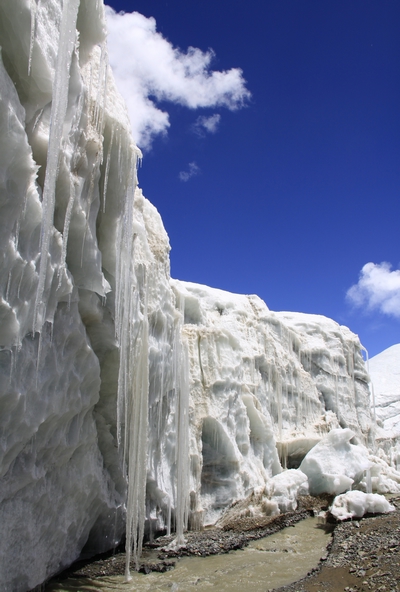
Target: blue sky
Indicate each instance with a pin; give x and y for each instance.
(283, 181)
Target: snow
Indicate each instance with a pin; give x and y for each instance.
(384, 370)
(130, 401)
(355, 504)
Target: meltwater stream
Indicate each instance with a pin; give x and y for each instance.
(267, 563)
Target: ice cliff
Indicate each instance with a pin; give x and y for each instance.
(128, 401)
(89, 356)
(265, 387)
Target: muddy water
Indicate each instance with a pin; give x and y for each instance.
(274, 561)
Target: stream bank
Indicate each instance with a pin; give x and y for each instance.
(362, 555)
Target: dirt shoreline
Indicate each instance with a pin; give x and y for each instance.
(363, 555)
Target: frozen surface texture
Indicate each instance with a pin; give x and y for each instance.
(262, 382)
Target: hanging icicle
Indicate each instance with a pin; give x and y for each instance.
(58, 112)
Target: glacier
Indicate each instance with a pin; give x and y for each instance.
(384, 370)
(131, 402)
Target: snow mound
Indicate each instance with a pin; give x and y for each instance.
(285, 488)
(354, 504)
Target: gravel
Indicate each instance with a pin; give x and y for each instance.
(364, 554)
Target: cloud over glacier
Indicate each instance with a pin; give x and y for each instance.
(378, 288)
(145, 65)
(192, 172)
(206, 125)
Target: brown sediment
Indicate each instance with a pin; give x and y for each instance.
(364, 554)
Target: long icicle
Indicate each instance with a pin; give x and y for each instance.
(58, 112)
(137, 426)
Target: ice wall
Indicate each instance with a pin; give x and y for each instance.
(91, 362)
(265, 387)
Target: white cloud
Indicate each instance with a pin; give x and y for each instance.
(205, 124)
(192, 172)
(147, 65)
(378, 288)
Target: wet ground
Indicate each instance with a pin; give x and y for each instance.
(362, 554)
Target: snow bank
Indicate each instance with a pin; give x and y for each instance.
(354, 504)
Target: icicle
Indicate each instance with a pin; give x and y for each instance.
(136, 430)
(20, 282)
(58, 112)
(7, 296)
(39, 355)
(67, 222)
(106, 173)
(89, 198)
(368, 481)
(162, 383)
(371, 384)
(182, 432)
(13, 363)
(336, 362)
(33, 34)
(132, 333)
(169, 517)
(37, 120)
(101, 90)
(119, 158)
(279, 403)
